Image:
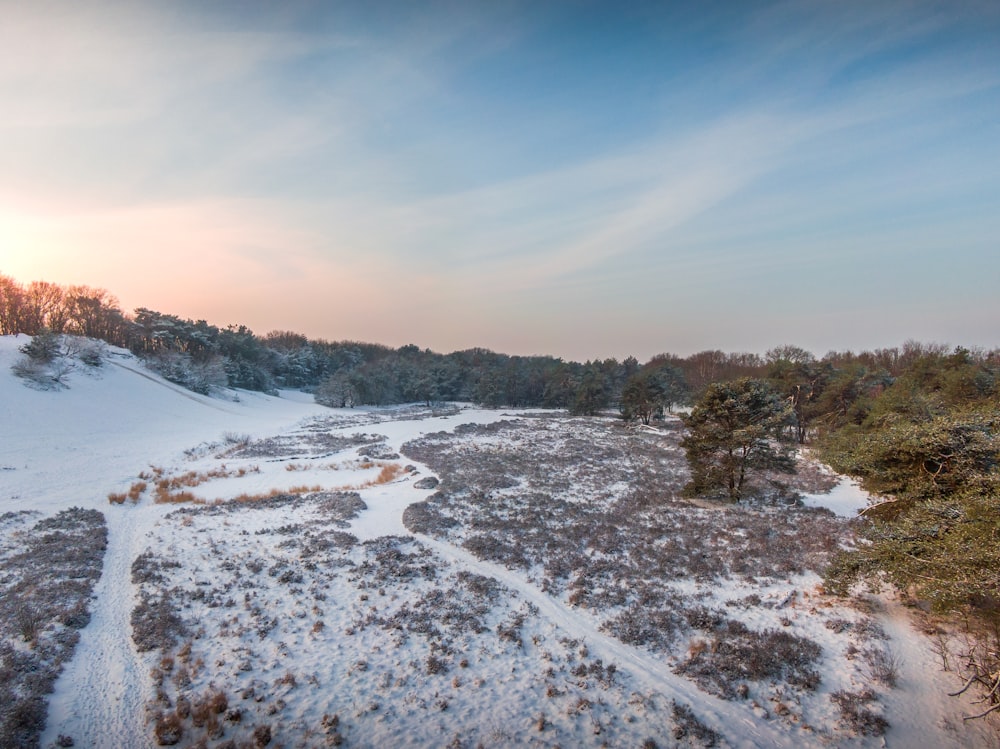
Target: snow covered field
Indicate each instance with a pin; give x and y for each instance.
(282, 574)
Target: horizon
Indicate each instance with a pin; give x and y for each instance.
(948, 346)
(578, 180)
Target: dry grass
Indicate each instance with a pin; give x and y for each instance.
(172, 489)
(389, 472)
(272, 494)
(192, 479)
(154, 472)
(164, 497)
(134, 494)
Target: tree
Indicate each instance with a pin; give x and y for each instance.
(801, 379)
(671, 384)
(337, 391)
(641, 398)
(732, 432)
(591, 391)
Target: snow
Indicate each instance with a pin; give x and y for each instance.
(846, 499)
(78, 445)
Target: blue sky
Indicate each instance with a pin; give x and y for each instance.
(580, 179)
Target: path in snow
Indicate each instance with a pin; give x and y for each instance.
(740, 727)
(920, 707)
(102, 692)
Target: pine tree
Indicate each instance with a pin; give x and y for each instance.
(732, 432)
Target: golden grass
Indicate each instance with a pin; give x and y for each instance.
(173, 489)
(192, 479)
(134, 493)
(389, 472)
(271, 494)
(154, 472)
(165, 496)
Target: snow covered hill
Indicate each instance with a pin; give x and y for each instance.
(74, 446)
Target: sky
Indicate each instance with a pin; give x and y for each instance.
(581, 179)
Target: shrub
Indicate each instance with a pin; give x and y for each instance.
(261, 736)
(856, 715)
(686, 724)
(168, 729)
(737, 653)
(883, 665)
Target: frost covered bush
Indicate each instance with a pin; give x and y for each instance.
(687, 725)
(596, 509)
(156, 625)
(736, 654)
(49, 358)
(426, 517)
(181, 368)
(856, 714)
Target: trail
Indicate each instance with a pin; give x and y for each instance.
(100, 697)
(920, 706)
(176, 389)
(741, 728)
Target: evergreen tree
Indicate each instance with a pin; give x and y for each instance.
(732, 432)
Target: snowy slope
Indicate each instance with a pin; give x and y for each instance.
(74, 446)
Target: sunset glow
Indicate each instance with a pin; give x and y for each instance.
(581, 179)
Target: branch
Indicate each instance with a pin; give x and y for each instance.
(968, 684)
(982, 715)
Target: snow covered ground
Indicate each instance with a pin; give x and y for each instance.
(308, 614)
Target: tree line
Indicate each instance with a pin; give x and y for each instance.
(200, 356)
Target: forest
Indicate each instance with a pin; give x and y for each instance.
(917, 424)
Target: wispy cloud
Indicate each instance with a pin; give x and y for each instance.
(439, 160)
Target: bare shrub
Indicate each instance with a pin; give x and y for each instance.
(856, 715)
(687, 725)
(737, 654)
(28, 620)
(428, 518)
(44, 610)
(156, 624)
(261, 736)
(22, 719)
(168, 729)
(883, 665)
(236, 439)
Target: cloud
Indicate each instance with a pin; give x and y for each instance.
(405, 163)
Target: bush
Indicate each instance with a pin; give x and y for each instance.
(737, 654)
(168, 729)
(43, 348)
(856, 715)
(686, 724)
(180, 368)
